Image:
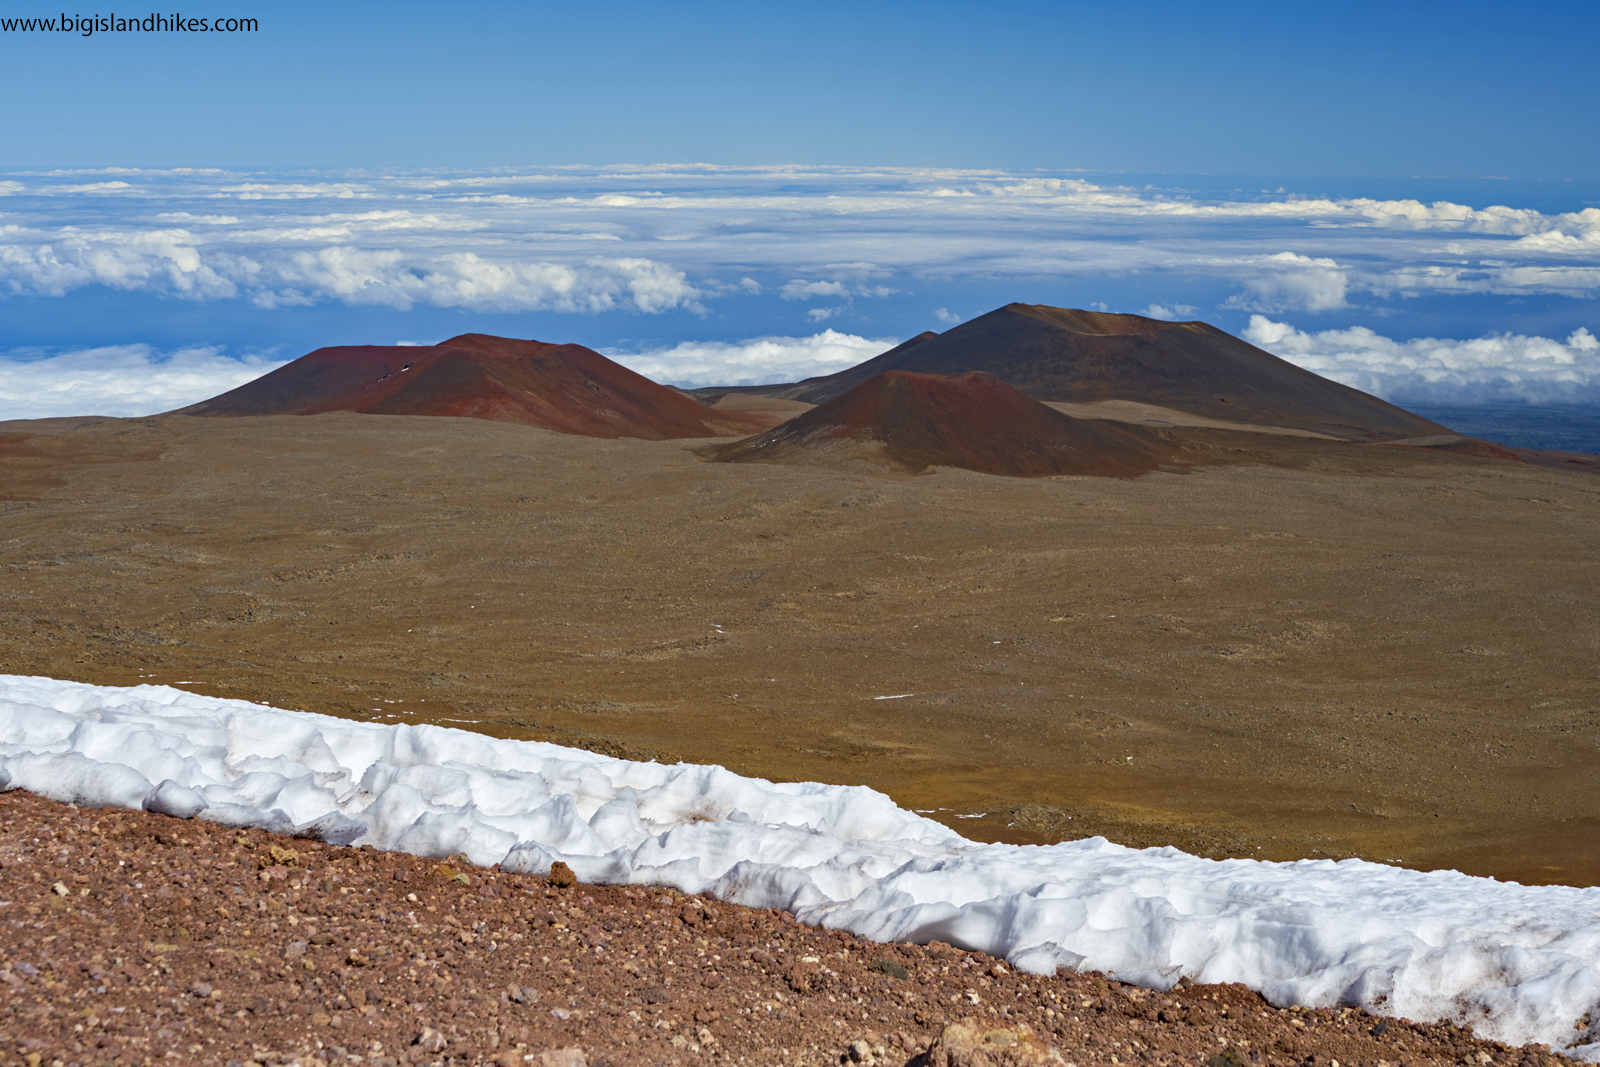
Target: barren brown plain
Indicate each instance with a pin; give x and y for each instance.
(1313, 649)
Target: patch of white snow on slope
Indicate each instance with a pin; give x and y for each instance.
(1520, 963)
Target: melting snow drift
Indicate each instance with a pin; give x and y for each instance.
(1520, 963)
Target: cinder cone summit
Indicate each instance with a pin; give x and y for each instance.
(567, 388)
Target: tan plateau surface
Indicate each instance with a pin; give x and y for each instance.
(772, 411)
(1326, 650)
(1154, 415)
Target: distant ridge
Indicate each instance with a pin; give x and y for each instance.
(1063, 354)
(915, 421)
(567, 388)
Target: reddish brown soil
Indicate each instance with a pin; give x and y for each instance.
(1311, 648)
(33, 461)
(130, 938)
(567, 388)
(1461, 446)
(974, 421)
(1559, 459)
(1066, 355)
(765, 409)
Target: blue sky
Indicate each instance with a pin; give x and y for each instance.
(1437, 90)
(1403, 196)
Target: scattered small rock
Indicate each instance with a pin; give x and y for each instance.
(562, 1057)
(278, 856)
(803, 977)
(1229, 1057)
(561, 877)
(341, 956)
(867, 1052)
(430, 1040)
(883, 965)
(969, 1043)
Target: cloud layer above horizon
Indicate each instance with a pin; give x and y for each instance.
(655, 239)
(758, 361)
(124, 381)
(1500, 367)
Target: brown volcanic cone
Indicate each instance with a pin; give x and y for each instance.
(914, 421)
(1061, 354)
(567, 388)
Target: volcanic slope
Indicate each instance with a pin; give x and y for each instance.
(567, 388)
(915, 421)
(1061, 354)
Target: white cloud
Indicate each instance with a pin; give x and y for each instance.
(804, 290)
(1497, 367)
(176, 263)
(1355, 213)
(945, 315)
(526, 240)
(189, 216)
(1162, 311)
(119, 188)
(120, 380)
(1292, 282)
(760, 361)
(282, 190)
(799, 290)
(465, 279)
(165, 261)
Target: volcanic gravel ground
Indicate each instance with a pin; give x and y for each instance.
(133, 938)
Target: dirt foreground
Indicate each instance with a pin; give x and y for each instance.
(132, 938)
(1295, 648)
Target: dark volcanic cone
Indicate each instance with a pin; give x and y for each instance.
(567, 388)
(1061, 354)
(915, 421)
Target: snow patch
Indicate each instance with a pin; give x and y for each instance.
(1521, 964)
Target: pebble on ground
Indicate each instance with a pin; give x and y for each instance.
(133, 938)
